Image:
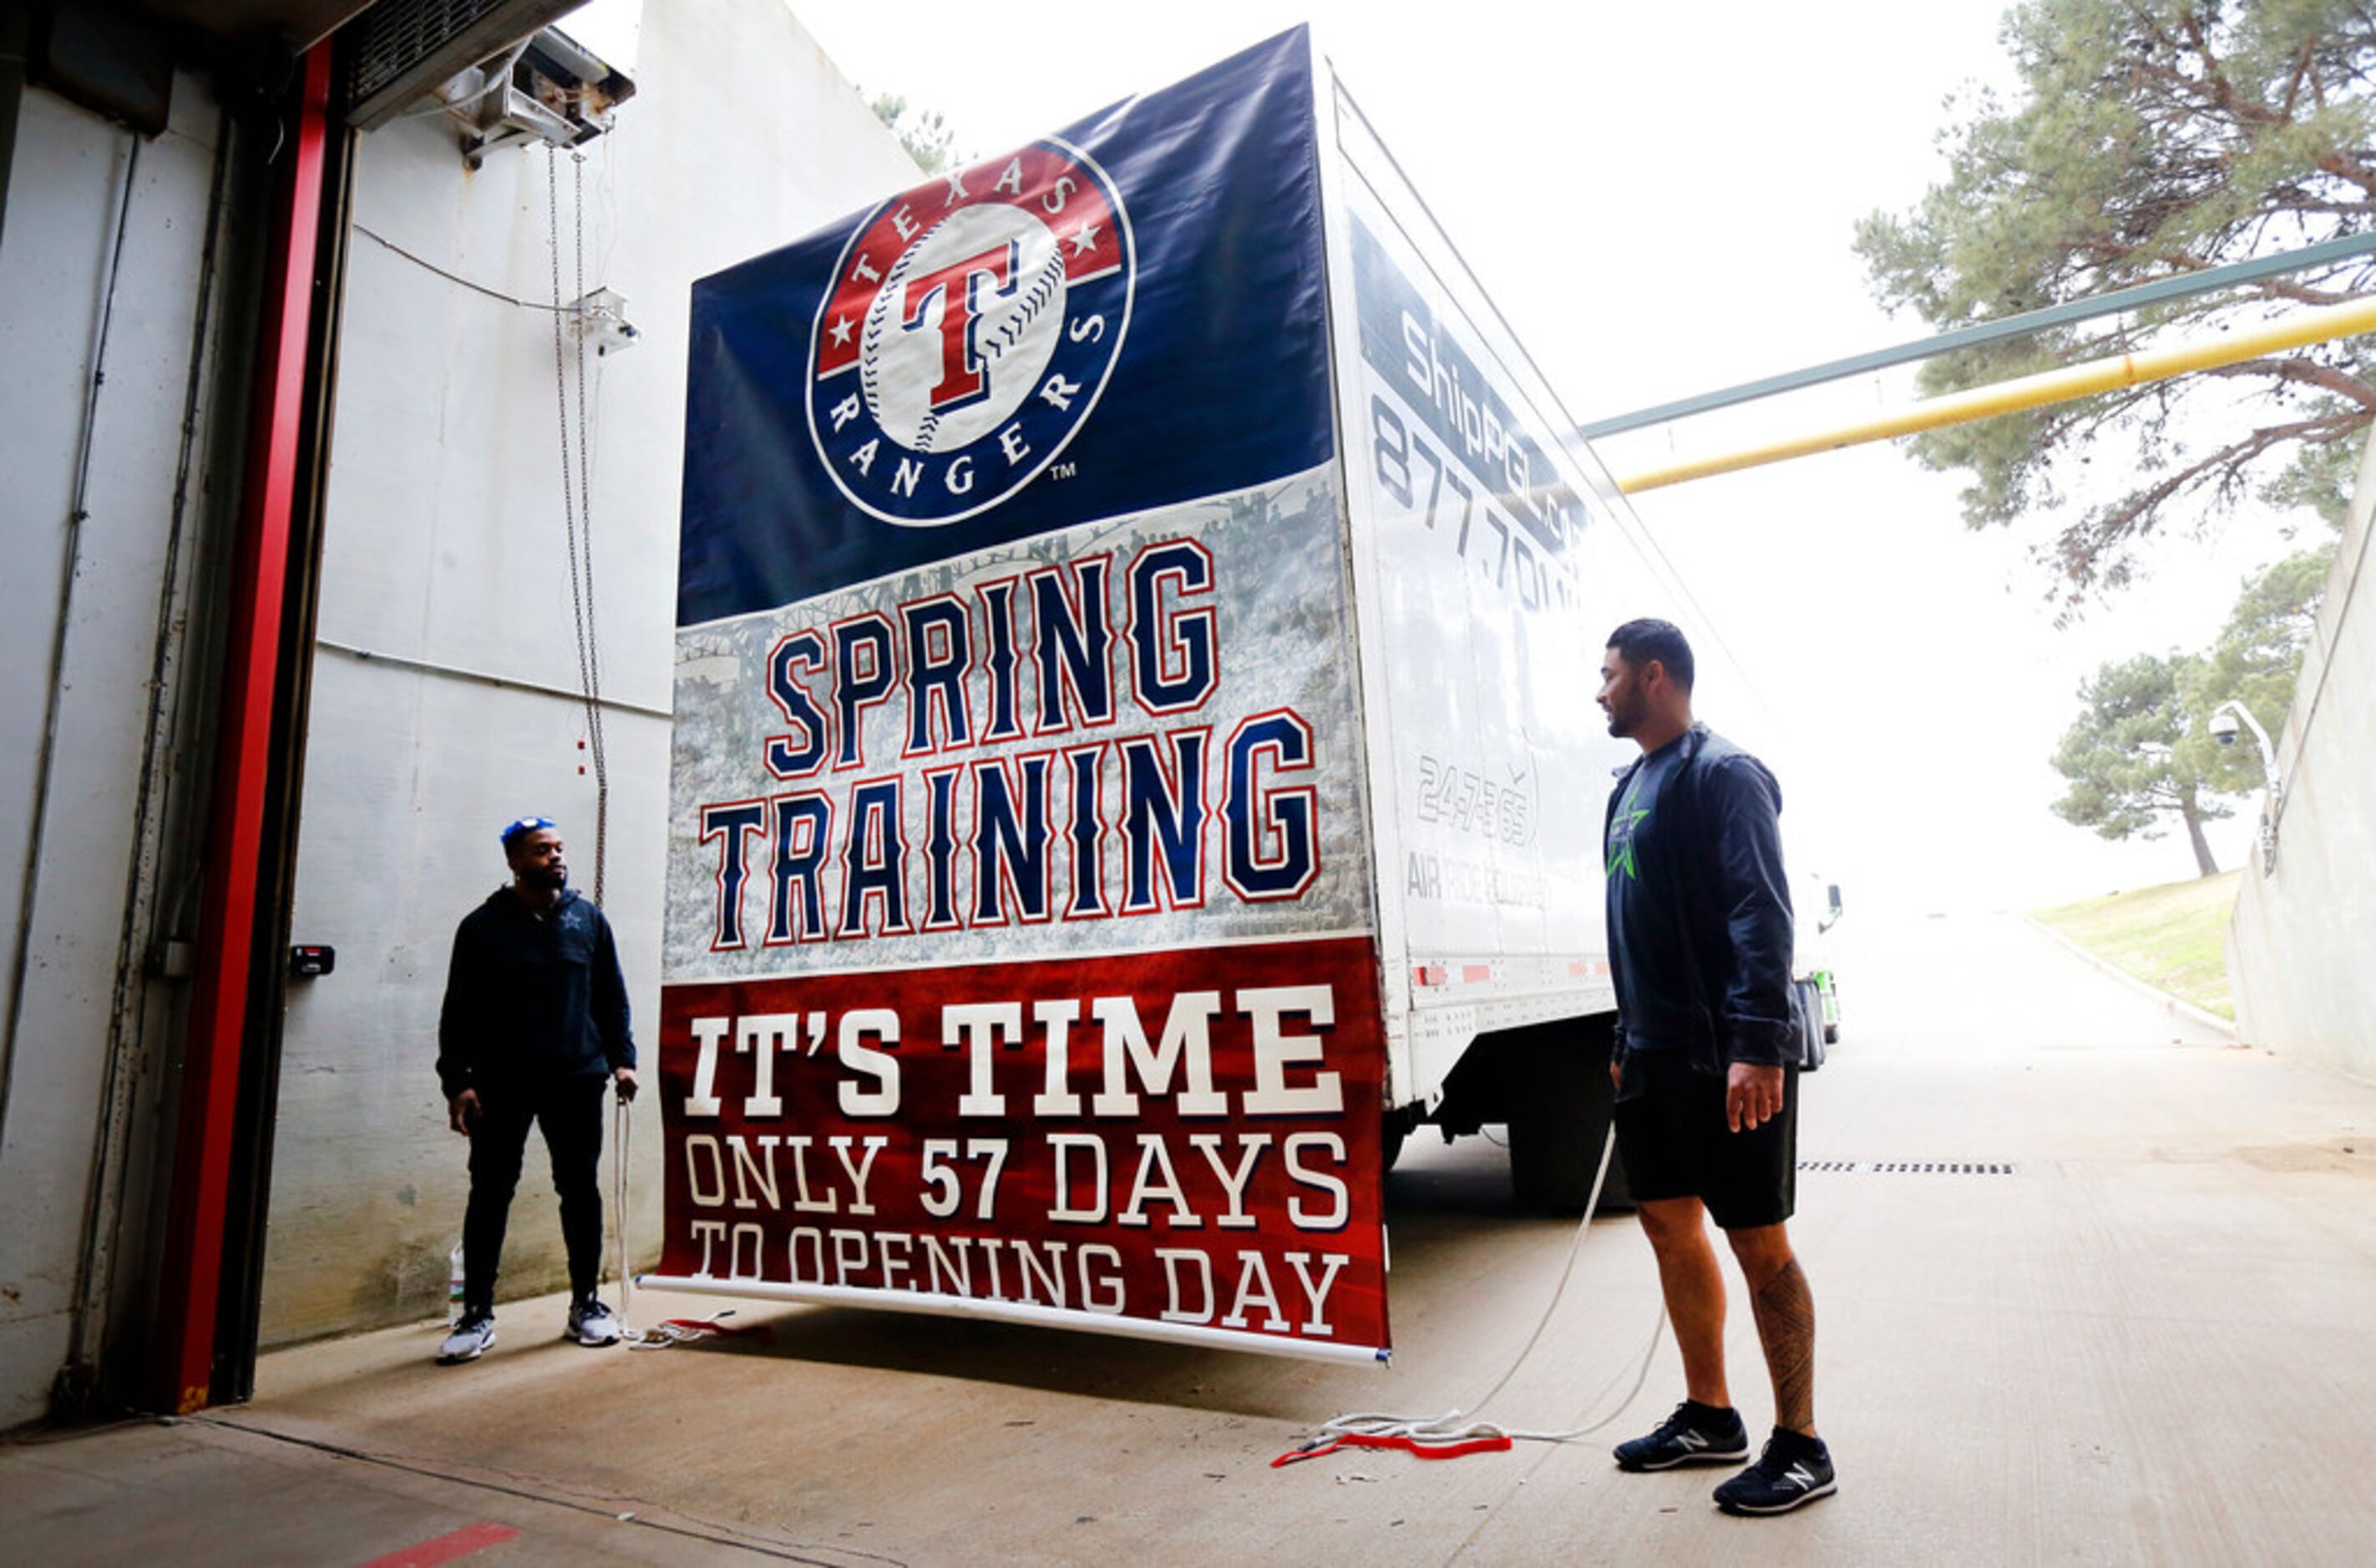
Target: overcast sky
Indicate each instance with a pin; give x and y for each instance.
(1662, 200)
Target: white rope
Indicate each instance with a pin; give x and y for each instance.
(623, 1122)
(1459, 1425)
(660, 1335)
(623, 1127)
(673, 1331)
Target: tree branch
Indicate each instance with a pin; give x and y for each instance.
(2356, 174)
(2302, 295)
(2308, 373)
(2117, 520)
(2300, 74)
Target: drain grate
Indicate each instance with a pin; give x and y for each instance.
(1913, 1167)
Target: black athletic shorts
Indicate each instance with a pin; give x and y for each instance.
(1672, 1133)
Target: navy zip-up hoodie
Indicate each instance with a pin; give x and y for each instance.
(1722, 994)
(532, 995)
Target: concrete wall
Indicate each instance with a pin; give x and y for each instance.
(77, 890)
(2298, 943)
(445, 547)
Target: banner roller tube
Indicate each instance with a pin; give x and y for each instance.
(1027, 1312)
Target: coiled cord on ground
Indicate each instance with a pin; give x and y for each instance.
(1460, 1427)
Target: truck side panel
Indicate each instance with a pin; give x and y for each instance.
(1487, 560)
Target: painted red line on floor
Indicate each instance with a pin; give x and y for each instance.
(447, 1548)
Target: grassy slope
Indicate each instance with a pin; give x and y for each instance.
(2170, 937)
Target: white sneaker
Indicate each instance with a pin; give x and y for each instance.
(470, 1339)
(591, 1323)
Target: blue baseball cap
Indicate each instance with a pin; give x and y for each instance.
(512, 831)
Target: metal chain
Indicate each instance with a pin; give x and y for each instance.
(561, 387)
(585, 470)
(596, 742)
(577, 502)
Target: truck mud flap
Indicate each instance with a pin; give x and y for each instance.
(1548, 1084)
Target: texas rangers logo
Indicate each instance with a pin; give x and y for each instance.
(971, 326)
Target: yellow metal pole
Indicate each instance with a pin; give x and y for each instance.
(2032, 391)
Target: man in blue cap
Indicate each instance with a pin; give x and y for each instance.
(535, 1022)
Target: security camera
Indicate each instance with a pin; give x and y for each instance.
(2224, 728)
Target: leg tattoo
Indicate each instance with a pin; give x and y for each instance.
(1786, 1325)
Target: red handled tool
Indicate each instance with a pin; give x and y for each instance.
(1329, 1442)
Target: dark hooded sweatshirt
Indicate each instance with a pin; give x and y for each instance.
(1699, 910)
(531, 996)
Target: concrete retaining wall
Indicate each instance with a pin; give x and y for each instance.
(2298, 943)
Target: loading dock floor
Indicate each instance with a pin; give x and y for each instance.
(2146, 1340)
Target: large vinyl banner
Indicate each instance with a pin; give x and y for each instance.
(1020, 955)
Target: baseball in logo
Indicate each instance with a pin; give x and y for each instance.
(971, 326)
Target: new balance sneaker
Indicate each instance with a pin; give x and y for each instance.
(1694, 1434)
(591, 1323)
(470, 1339)
(1794, 1469)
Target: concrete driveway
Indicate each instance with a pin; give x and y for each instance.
(2124, 1315)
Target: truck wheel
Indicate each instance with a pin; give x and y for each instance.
(1559, 1104)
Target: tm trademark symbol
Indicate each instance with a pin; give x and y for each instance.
(1063, 471)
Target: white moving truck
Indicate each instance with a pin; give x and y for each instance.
(1136, 755)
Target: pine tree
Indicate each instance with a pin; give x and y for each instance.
(2150, 138)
